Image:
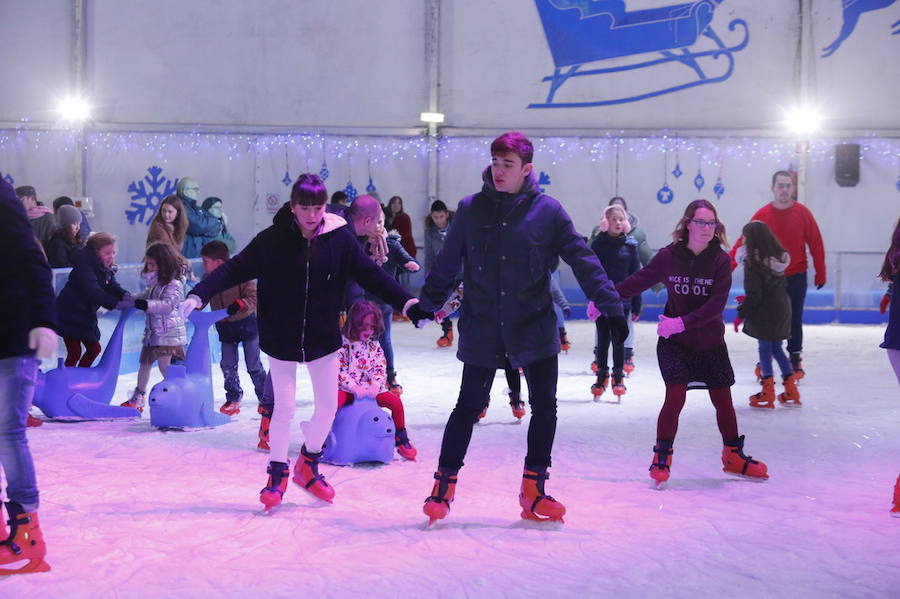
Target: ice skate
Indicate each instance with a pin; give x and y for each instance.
(137, 400)
(306, 474)
(766, 397)
(895, 511)
(628, 366)
(517, 405)
(437, 505)
(564, 344)
(272, 494)
(797, 366)
(536, 504)
(483, 413)
(735, 462)
(264, 427)
(404, 447)
(791, 394)
(757, 372)
(33, 421)
(594, 367)
(618, 386)
(231, 407)
(662, 462)
(598, 388)
(392, 384)
(25, 542)
(446, 340)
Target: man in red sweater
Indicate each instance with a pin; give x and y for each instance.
(795, 227)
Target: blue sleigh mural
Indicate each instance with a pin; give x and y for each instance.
(584, 31)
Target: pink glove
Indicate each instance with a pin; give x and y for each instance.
(669, 326)
(592, 312)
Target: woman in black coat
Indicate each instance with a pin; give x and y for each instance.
(302, 263)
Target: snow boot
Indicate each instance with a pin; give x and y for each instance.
(895, 511)
(446, 340)
(791, 394)
(628, 366)
(231, 407)
(404, 447)
(517, 405)
(618, 387)
(25, 542)
(535, 503)
(766, 397)
(137, 400)
(33, 421)
(600, 386)
(264, 424)
(437, 505)
(272, 494)
(735, 462)
(564, 344)
(306, 474)
(662, 461)
(797, 366)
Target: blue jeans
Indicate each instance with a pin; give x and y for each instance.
(796, 289)
(229, 364)
(769, 350)
(17, 378)
(385, 339)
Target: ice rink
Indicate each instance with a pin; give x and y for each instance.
(129, 511)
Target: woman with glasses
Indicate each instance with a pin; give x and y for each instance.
(691, 349)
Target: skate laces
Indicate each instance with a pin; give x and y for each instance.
(539, 485)
(662, 452)
(443, 486)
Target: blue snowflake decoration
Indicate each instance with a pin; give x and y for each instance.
(370, 188)
(323, 172)
(9, 179)
(677, 170)
(719, 189)
(350, 191)
(145, 199)
(665, 195)
(543, 179)
(699, 180)
(287, 179)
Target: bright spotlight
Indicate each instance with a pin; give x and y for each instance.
(74, 109)
(803, 120)
(432, 117)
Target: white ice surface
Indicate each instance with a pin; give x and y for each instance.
(129, 511)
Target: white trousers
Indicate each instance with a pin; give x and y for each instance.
(324, 375)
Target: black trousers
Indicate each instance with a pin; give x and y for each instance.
(474, 391)
(601, 351)
(796, 289)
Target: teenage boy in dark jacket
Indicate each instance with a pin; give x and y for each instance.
(506, 240)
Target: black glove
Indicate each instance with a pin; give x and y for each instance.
(618, 329)
(235, 307)
(140, 304)
(567, 313)
(417, 314)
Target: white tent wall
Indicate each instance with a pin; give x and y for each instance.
(217, 91)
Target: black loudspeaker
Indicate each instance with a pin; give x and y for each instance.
(846, 164)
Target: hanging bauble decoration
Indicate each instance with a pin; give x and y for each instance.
(370, 188)
(677, 172)
(718, 188)
(699, 180)
(665, 195)
(287, 168)
(323, 172)
(350, 191)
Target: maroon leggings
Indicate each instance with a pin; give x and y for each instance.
(667, 424)
(73, 347)
(385, 400)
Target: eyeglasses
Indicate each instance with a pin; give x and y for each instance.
(705, 224)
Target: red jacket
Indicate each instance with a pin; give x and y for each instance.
(403, 225)
(795, 228)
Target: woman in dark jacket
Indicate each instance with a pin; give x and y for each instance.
(691, 348)
(766, 310)
(66, 240)
(91, 284)
(301, 264)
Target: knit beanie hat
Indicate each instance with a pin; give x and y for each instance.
(438, 206)
(208, 202)
(68, 215)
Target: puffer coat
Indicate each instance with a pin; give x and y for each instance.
(766, 308)
(165, 326)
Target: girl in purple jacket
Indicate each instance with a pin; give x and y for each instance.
(691, 349)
